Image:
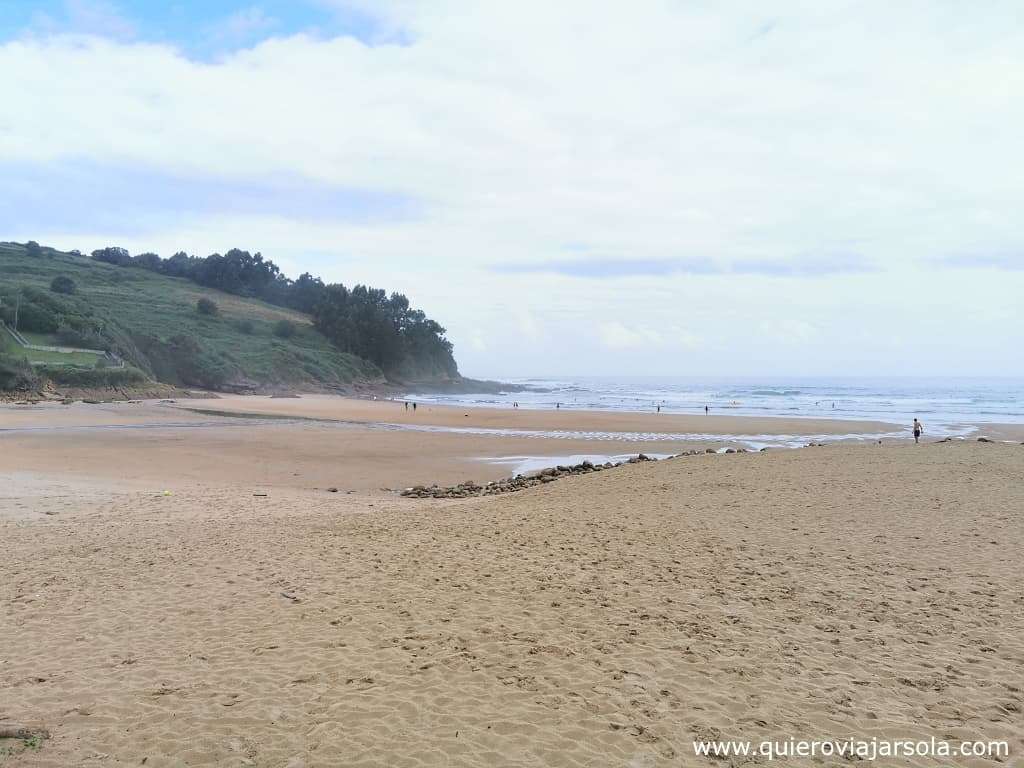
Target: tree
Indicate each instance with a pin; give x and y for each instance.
(62, 284)
(363, 321)
(113, 255)
(149, 261)
(237, 272)
(207, 307)
(33, 249)
(179, 265)
(305, 293)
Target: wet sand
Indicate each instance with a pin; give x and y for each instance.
(350, 409)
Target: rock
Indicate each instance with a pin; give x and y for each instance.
(984, 440)
(519, 482)
(710, 450)
(335, 490)
(730, 450)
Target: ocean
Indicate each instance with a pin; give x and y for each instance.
(945, 406)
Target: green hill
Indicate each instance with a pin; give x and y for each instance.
(152, 322)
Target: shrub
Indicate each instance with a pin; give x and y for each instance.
(94, 377)
(207, 307)
(33, 249)
(246, 327)
(181, 360)
(284, 329)
(16, 373)
(63, 284)
(36, 319)
(83, 339)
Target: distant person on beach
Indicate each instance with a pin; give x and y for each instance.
(659, 409)
(706, 410)
(414, 407)
(407, 405)
(918, 429)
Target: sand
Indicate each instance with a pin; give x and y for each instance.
(608, 619)
(361, 410)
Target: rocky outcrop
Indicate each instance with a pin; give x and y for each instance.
(521, 482)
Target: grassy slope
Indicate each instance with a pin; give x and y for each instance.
(143, 302)
(10, 347)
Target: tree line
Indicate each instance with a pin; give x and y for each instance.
(364, 321)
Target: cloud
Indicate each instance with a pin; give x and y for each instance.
(615, 335)
(824, 266)
(78, 196)
(789, 331)
(445, 148)
(1012, 261)
(477, 341)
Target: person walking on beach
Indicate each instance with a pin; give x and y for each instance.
(414, 407)
(407, 405)
(918, 429)
(706, 410)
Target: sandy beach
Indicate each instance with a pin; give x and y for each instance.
(181, 588)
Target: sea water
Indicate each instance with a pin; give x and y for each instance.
(943, 405)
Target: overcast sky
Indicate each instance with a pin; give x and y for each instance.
(571, 187)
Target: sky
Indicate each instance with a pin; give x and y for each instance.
(812, 188)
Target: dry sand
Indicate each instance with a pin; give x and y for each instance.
(601, 620)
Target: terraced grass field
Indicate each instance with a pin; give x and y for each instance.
(145, 304)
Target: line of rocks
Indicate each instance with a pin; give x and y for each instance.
(521, 482)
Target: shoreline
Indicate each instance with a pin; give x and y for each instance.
(311, 444)
(366, 410)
